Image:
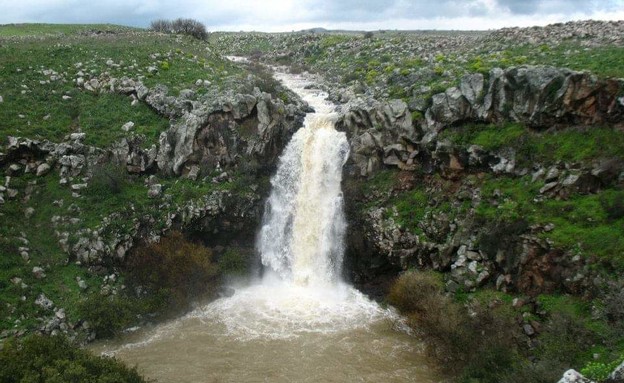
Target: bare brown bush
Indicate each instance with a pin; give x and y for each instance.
(473, 339)
(188, 27)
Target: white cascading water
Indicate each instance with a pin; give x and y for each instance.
(301, 241)
(303, 228)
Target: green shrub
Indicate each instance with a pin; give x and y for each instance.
(107, 179)
(174, 268)
(598, 371)
(234, 262)
(416, 116)
(413, 289)
(45, 359)
(107, 316)
(371, 76)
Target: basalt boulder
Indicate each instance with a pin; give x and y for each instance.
(231, 131)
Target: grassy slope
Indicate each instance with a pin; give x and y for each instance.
(33, 100)
(25, 52)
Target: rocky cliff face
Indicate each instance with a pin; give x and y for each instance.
(539, 97)
(211, 131)
(248, 128)
(214, 140)
(471, 251)
(380, 133)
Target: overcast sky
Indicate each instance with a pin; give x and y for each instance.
(287, 15)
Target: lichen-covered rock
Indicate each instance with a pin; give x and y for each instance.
(218, 135)
(43, 169)
(573, 376)
(154, 190)
(379, 132)
(539, 96)
(43, 302)
(617, 376)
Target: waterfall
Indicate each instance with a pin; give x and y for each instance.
(303, 229)
(300, 322)
(301, 243)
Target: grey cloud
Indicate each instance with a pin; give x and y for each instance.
(532, 7)
(215, 13)
(523, 7)
(370, 10)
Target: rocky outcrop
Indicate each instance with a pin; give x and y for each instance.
(380, 133)
(587, 32)
(71, 156)
(537, 96)
(222, 134)
(208, 133)
(573, 376)
(384, 134)
(221, 212)
(130, 153)
(517, 260)
(617, 376)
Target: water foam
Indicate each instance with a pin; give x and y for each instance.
(282, 310)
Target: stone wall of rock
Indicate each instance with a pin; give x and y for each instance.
(379, 133)
(538, 96)
(523, 263)
(222, 134)
(384, 134)
(209, 132)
